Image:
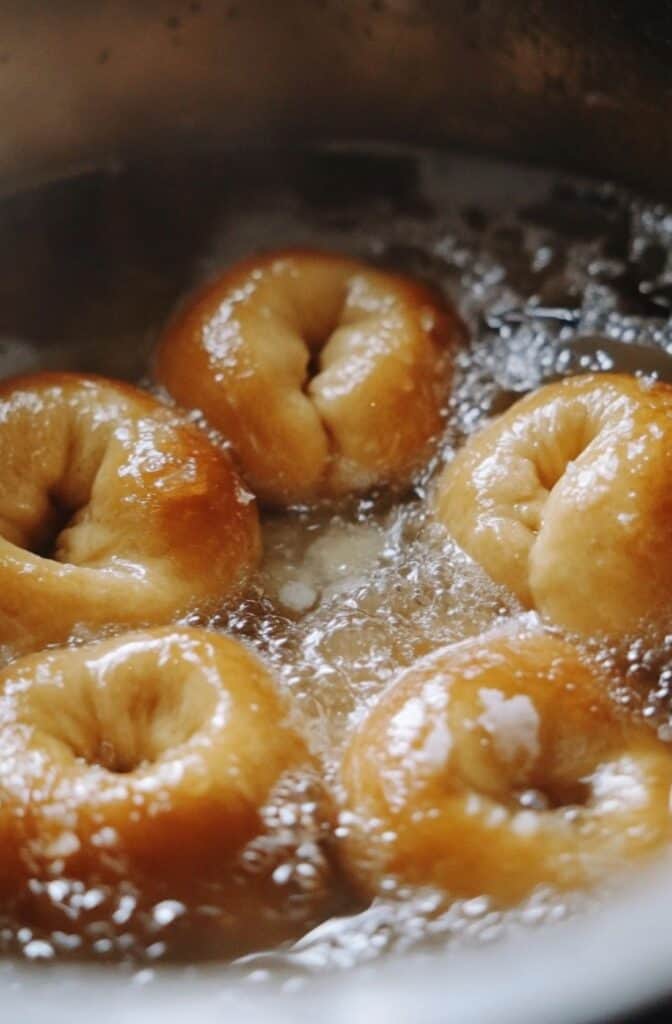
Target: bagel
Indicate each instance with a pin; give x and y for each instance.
(113, 512)
(497, 765)
(166, 760)
(327, 376)
(567, 500)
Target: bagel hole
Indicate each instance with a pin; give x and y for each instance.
(578, 430)
(317, 332)
(121, 760)
(313, 363)
(46, 542)
(128, 723)
(314, 366)
(107, 756)
(153, 719)
(313, 369)
(101, 751)
(554, 795)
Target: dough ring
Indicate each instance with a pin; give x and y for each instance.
(327, 375)
(113, 512)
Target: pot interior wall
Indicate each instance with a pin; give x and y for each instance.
(585, 85)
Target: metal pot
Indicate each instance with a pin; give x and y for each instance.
(582, 85)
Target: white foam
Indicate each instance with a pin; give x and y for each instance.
(513, 724)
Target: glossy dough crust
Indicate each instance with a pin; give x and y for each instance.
(567, 500)
(164, 759)
(327, 376)
(497, 765)
(112, 511)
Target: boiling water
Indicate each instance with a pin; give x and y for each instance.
(552, 276)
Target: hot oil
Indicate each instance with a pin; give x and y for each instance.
(552, 276)
(347, 600)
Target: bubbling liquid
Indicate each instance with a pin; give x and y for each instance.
(347, 600)
(553, 276)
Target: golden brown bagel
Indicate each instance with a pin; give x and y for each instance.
(326, 375)
(112, 511)
(163, 759)
(497, 765)
(567, 499)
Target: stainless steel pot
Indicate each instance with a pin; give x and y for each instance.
(583, 85)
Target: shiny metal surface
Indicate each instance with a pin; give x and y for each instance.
(582, 84)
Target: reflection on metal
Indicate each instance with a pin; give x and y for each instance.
(580, 84)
